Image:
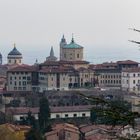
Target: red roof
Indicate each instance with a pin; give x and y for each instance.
(22, 68)
(127, 62)
(73, 62)
(60, 69)
(35, 110)
(132, 70)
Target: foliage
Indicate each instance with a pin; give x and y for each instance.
(15, 103)
(111, 112)
(7, 134)
(29, 120)
(44, 113)
(33, 135)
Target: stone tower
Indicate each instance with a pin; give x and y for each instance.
(62, 44)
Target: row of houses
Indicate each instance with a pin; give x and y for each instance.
(71, 71)
(66, 75)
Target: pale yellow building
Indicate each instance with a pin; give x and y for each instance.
(70, 52)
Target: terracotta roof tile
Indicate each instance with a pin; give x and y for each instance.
(25, 110)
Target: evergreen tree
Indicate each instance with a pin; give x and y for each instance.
(44, 113)
(33, 135)
(31, 120)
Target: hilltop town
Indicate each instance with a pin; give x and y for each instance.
(67, 84)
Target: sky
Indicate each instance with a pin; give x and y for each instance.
(100, 26)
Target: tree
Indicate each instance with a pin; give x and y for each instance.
(33, 135)
(133, 41)
(111, 111)
(31, 120)
(44, 113)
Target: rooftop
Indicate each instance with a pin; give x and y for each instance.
(14, 51)
(35, 110)
(72, 45)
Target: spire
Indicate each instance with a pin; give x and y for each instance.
(14, 45)
(36, 61)
(72, 40)
(51, 52)
(63, 39)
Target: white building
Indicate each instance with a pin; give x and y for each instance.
(131, 80)
(56, 112)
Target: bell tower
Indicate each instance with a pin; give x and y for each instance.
(62, 44)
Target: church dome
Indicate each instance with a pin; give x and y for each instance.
(72, 45)
(14, 52)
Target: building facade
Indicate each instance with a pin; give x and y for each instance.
(131, 80)
(110, 74)
(22, 78)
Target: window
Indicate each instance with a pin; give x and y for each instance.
(134, 75)
(57, 116)
(15, 61)
(133, 81)
(74, 115)
(127, 81)
(24, 82)
(21, 118)
(24, 78)
(15, 83)
(83, 114)
(19, 82)
(77, 55)
(9, 61)
(15, 78)
(66, 115)
(11, 78)
(28, 78)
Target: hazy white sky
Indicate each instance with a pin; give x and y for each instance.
(101, 26)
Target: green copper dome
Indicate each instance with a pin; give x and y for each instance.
(72, 45)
